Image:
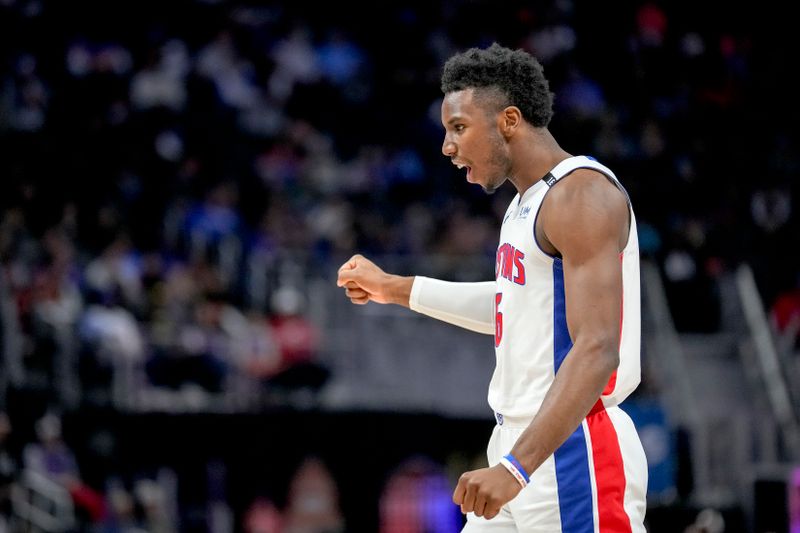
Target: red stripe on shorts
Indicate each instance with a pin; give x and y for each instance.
(609, 472)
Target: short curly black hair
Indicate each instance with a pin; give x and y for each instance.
(517, 75)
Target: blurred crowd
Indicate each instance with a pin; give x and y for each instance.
(302, 496)
(157, 162)
(173, 174)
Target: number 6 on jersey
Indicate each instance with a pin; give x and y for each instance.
(498, 319)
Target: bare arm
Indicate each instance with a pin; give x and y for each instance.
(586, 220)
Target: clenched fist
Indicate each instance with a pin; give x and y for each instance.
(364, 281)
(485, 491)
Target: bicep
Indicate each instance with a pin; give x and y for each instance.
(588, 223)
(593, 291)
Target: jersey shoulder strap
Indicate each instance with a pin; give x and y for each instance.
(573, 163)
(567, 166)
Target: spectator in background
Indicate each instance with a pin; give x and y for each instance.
(298, 340)
(54, 307)
(121, 516)
(295, 63)
(785, 316)
(118, 268)
(689, 279)
(262, 517)
(771, 211)
(8, 470)
(202, 351)
(214, 226)
(259, 355)
(53, 458)
(29, 95)
(153, 499)
(340, 59)
(162, 81)
(313, 501)
(417, 499)
(110, 340)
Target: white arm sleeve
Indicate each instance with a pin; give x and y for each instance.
(468, 305)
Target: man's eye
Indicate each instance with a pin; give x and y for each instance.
(459, 127)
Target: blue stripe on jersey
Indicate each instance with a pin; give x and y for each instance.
(571, 458)
(561, 339)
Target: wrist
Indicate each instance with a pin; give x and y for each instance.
(510, 463)
(400, 289)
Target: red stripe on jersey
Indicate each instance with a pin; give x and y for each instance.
(612, 381)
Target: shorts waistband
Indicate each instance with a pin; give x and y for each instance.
(512, 421)
(524, 421)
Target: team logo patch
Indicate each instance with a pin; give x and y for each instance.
(499, 418)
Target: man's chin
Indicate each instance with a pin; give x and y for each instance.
(488, 187)
(491, 187)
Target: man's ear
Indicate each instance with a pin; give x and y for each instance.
(509, 120)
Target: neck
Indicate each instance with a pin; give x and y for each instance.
(534, 156)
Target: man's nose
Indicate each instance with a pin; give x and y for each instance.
(449, 148)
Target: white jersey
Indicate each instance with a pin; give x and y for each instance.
(531, 336)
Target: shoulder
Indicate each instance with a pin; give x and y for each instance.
(587, 188)
(584, 206)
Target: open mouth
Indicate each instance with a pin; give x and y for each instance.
(469, 170)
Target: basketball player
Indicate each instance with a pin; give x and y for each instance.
(563, 309)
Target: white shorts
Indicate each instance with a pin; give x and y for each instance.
(596, 482)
